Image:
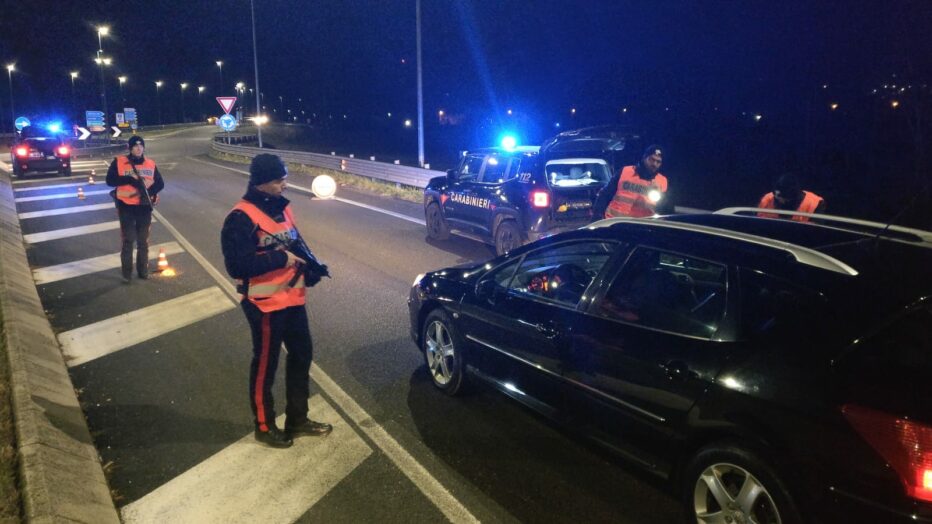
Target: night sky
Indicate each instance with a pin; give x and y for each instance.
(539, 58)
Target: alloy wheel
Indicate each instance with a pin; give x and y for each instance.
(729, 494)
(440, 353)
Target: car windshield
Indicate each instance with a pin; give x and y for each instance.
(576, 172)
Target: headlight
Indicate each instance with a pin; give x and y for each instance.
(417, 279)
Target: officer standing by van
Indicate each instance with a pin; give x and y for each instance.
(272, 264)
(636, 191)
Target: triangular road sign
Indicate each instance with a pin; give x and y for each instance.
(226, 102)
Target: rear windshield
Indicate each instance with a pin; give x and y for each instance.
(577, 172)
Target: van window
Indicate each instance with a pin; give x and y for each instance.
(577, 172)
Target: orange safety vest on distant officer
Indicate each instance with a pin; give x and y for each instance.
(274, 290)
(809, 204)
(631, 199)
(129, 194)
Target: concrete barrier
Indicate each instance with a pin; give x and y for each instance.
(61, 476)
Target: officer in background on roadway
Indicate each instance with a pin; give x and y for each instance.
(272, 264)
(787, 195)
(636, 191)
(137, 181)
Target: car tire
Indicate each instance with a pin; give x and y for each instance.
(443, 352)
(437, 228)
(716, 477)
(507, 237)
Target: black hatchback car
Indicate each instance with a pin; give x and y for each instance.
(508, 197)
(37, 151)
(773, 371)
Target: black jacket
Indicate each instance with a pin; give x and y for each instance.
(238, 239)
(114, 178)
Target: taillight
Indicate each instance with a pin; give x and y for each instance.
(905, 445)
(64, 151)
(540, 198)
(22, 151)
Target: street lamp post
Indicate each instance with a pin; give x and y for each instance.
(255, 61)
(9, 70)
(220, 67)
(281, 106)
(103, 31)
(420, 91)
(74, 108)
(158, 99)
(122, 80)
(200, 106)
(184, 85)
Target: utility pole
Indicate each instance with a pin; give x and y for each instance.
(420, 92)
(255, 60)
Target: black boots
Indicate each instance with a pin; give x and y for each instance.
(274, 438)
(307, 427)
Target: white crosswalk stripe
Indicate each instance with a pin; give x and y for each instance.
(56, 196)
(56, 234)
(93, 341)
(238, 483)
(55, 186)
(78, 268)
(65, 211)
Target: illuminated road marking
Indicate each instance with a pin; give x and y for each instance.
(55, 234)
(78, 268)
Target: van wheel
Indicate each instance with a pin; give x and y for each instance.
(507, 237)
(730, 484)
(437, 228)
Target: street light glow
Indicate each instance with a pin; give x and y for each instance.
(184, 85)
(408, 123)
(74, 74)
(200, 89)
(219, 63)
(895, 104)
(103, 30)
(834, 106)
(158, 83)
(10, 68)
(122, 79)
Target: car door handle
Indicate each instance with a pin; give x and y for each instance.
(677, 370)
(547, 329)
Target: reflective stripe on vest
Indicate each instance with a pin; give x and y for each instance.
(273, 290)
(809, 204)
(128, 194)
(630, 198)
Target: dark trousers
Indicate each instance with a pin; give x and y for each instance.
(135, 222)
(269, 330)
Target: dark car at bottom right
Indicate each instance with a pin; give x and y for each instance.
(772, 371)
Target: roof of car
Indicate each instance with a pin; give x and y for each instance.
(520, 150)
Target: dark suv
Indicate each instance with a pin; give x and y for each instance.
(40, 151)
(508, 197)
(773, 371)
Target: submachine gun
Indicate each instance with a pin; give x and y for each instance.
(313, 270)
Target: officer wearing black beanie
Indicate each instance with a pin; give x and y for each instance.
(138, 182)
(264, 252)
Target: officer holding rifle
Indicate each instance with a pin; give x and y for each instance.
(272, 264)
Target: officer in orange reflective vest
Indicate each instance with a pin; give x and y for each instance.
(264, 252)
(636, 191)
(137, 181)
(788, 196)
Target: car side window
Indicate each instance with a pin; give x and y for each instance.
(496, 168)
(777, 311)
(469, 170)
(562, 273)
(668, 291)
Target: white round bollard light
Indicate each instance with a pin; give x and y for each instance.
(324, 186)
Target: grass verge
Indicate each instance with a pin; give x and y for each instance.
(389, 189)
(10, 508)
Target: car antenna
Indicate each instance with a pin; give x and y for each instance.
(907, 207)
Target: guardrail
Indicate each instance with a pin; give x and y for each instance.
(398, 174)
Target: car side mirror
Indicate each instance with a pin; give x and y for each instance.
(452, 175)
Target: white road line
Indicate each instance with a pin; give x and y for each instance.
(436, 492)
(55, 234)
(93, 341)
(61, 195)
(247, 482)
(78, 268)
(65, 211)
(33, 181)
(40, 188)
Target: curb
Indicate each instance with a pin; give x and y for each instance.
(60, 471)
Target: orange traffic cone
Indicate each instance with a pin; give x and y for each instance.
(163, 261)
(80, 193)
(90, 179)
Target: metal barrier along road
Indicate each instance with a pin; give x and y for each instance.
(406, 175)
